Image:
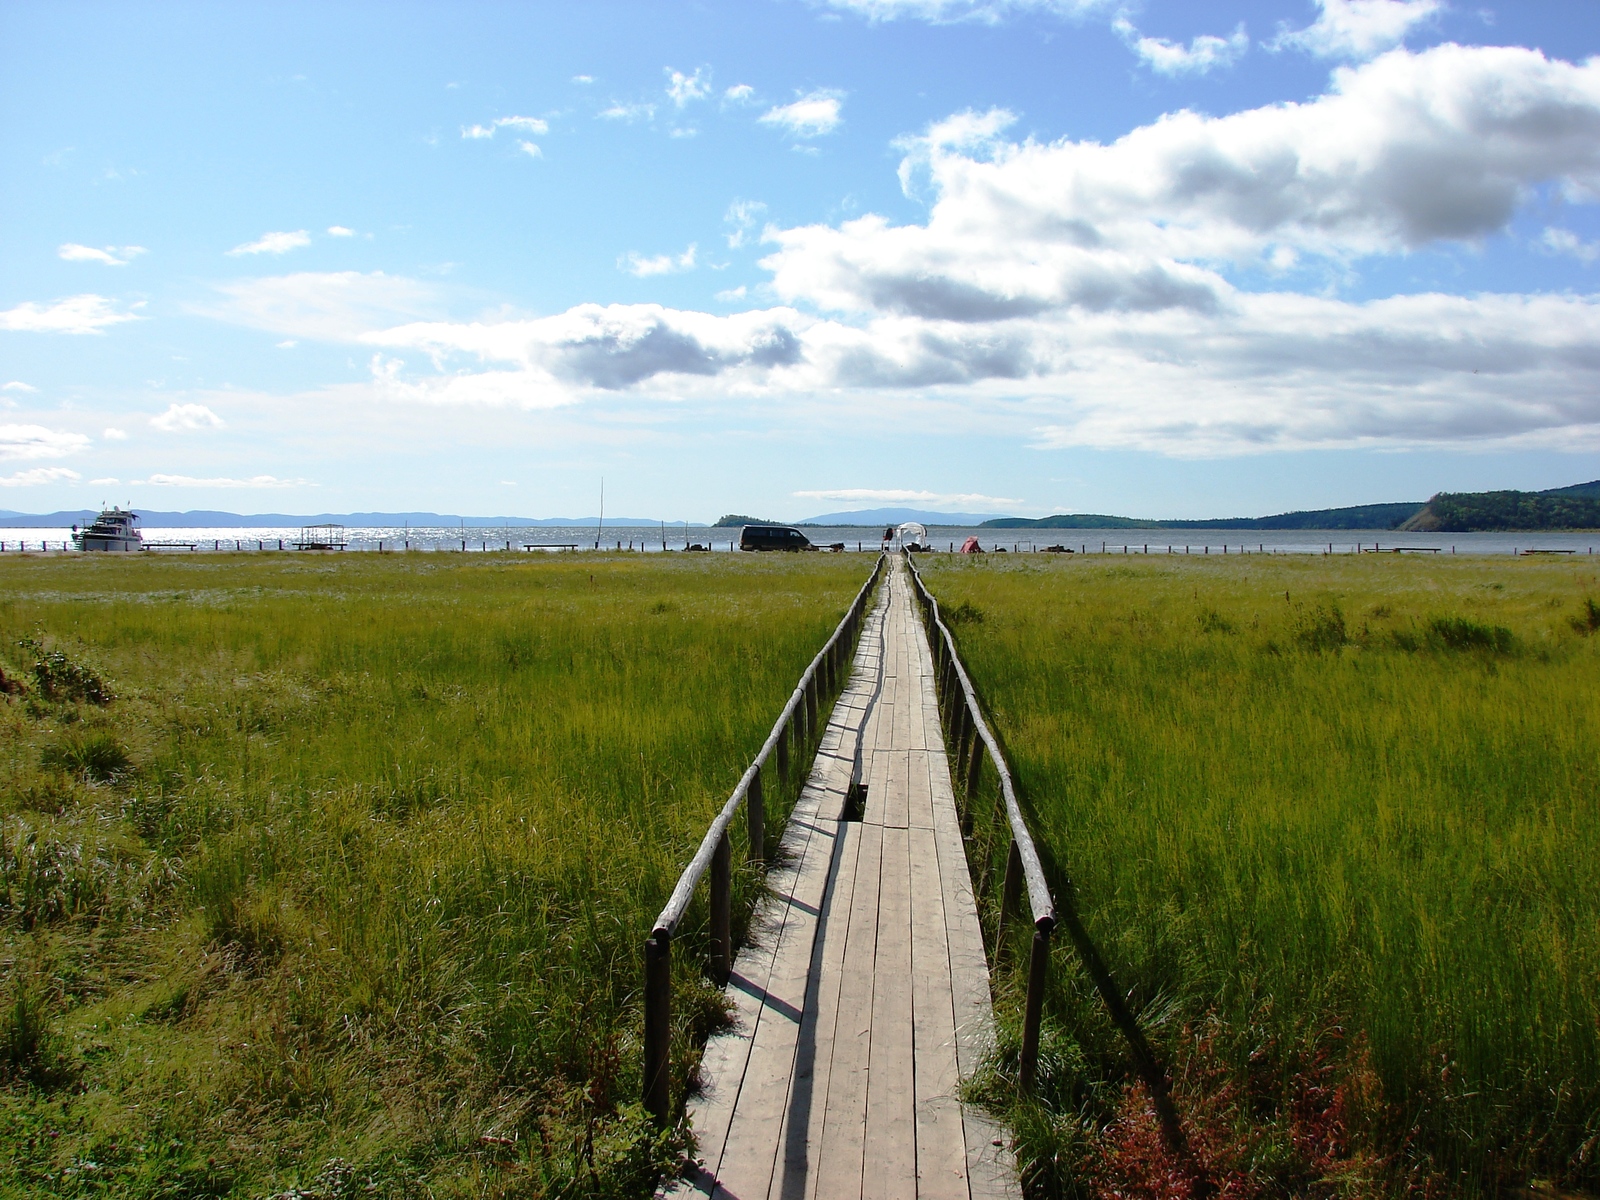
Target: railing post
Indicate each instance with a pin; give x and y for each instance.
(1038, 972)
(783, 750)
(658, 1026)
(756, 808)
(975, 765)
(722, 911)
(1010, 890)
(811, 708)
(958, 733)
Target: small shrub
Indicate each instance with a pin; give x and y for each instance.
(59, 678)
(97, 756)
(1463, 633)
(29, 1048)
(1211, 621)
(1319, 628)
(1588, 621)
(10, 686)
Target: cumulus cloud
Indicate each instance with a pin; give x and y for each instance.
(273, 243)
(16, 385)
(36, 441)
(681, 88)
(531, 149)
(340, 231)
(111, 256)
(1359, 29)
(255, 481)
(112, 434)
(76, 314)
(812, 115)
(530, 125)
(739, 93)
(1406, 150)
(660, 264)
(40, 475)
(1079, 294)
(181, 417)
(1174, 58)
(949, 11)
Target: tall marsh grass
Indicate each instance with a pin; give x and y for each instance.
(342, 869)
(1334, 824)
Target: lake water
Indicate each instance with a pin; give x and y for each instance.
(555, 539)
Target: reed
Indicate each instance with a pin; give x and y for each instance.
(1331, 822)
(343, 890)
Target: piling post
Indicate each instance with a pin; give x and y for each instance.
(722, 911)
(1010, 890)
(974, 766)
(658, 1026)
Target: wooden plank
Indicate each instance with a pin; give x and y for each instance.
(891, 1172)
(838, 1163)
(941, 1139)
(919, 790)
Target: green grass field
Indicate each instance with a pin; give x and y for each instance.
(1334, 824)
(345, 889)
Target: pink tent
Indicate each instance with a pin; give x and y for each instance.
(970, 546)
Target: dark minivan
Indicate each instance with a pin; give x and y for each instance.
(772, 537)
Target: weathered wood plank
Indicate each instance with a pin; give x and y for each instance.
(941, 1140)
(891, 1170)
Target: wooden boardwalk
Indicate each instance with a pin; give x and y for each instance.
(863, 998)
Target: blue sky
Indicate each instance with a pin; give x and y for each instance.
(789, 257)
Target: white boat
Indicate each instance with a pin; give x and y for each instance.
(113, 529)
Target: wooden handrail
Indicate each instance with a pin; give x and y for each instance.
(1023, 868)
(805, 703)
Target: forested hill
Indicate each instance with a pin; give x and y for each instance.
(1364, 516)
(1575, 507)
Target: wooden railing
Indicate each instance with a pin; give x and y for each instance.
(971, 735)
(799, 718)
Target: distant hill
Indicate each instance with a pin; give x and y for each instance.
(1575, 507)
(207, 518)
(894, 516)
(1362, 516)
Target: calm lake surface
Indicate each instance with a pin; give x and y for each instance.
(653, 539)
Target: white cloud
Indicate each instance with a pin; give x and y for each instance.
(180, 417)
(112, 434)
(40, 475)
(103, 482)
(730, 295)
(813, 115)
(530, 149)
(76, 314)
(1359, 29)
(949, 11)
(326, 306)
(35, 441)
(742, 215)
(628, 112)
(1564, 241)
(111, 256)
(340, 231)
(533, 125)
(681, 88)
(1174, 58)
(255, 481)
(583, 79)
(907, 496)
(273, 243)
(16, 385)
(660, 264)
(739, 93)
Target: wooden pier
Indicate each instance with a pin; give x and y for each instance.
(863, 999)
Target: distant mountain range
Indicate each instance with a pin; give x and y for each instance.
(1573, 507)
(205, 518)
